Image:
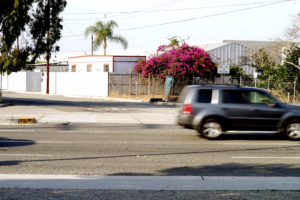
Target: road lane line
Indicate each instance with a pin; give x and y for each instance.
(27, 155)
(15, 130)
(264, 144)
(132, 116)
(53, 142)
(263, 157)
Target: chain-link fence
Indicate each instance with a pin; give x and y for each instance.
(287, 89)
(134, 85)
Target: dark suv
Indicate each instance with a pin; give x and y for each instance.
(215, 109)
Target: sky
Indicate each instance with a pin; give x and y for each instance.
(146, 24)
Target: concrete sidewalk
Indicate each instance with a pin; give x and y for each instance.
(154, 183)
(113, 110)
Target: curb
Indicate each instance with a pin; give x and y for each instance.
(3, 105)
(165, 103)
(153, 183)
(24, 120)
(27, 120)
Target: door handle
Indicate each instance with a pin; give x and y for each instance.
(222, 108)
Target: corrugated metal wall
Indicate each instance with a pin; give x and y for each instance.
(125, 64)
(230, 54)
(124, 67)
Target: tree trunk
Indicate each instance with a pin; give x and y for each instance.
(1, 86)
(104, 46)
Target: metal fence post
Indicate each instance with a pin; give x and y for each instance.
(241, 81)
(269, 83)
(149, 86)
(154, 84)
(139, 85)
(130, 84)
(121, 86)
(294, 98)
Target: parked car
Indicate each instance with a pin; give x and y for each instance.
(216, 109)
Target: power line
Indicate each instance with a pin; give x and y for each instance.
(172, 10)
(197, 18)
(77, 36)
(202, 17)
(166, 4)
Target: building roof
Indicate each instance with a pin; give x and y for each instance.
(83, 56)
(251, 44)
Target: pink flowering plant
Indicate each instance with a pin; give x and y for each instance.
(182, 62)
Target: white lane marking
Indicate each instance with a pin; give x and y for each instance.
(263, 157)
(36, 142)
(53, 142)
(15, 130)
(263, 144)
(27, 155)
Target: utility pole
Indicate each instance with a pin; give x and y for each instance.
(92, 48)
(47, 45)
(17, 46)
(48, 58)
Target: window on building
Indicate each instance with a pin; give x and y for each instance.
(106, 68)
(89, 68)
(73, 68)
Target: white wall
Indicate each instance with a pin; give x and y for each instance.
(77, 84)
(22, 81)
(16, 81)
(33, 81)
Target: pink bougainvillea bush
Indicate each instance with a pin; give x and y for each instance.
(182, 62)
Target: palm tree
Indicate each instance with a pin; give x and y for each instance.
(104, 32)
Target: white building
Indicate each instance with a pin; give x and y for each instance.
(101, 63)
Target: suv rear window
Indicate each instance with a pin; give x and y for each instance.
(204, 96)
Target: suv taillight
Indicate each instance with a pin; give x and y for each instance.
(187, 109)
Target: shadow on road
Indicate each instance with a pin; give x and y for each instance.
(6, 142)
(230, 169)
(76, 103)
(250, 136)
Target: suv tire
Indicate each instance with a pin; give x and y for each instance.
(292, 129)
(211, 129)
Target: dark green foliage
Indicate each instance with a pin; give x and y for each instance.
(14, 61)
(31, 16)
(280, 77)
(46, 17)
(261, 59)
(237, 74)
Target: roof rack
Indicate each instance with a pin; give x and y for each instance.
(217, 84)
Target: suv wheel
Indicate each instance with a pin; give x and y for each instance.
(292, 129)
(211, 129)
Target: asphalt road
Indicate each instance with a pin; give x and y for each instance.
(135, 139)
(139, 149)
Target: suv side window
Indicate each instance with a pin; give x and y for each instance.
(204, 96)
(261, 98)
(236, 96)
